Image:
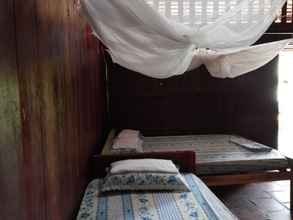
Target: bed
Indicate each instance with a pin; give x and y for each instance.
(199, 203)
(220, 161)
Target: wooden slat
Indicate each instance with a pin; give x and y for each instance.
(231, 179)
(62, 98)
(11, 205)
(186, 160)
(196, 103)
(32, 117)
(283, 24)
(108, 144)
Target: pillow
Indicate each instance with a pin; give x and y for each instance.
(144, 181)
(144, 165)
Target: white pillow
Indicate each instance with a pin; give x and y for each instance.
(143, 165)
(128, 140)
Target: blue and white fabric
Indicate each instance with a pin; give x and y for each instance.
(144, 181)
(198, 204)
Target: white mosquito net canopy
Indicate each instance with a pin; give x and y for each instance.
(163, 38)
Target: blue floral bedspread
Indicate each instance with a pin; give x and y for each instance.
(198, 204)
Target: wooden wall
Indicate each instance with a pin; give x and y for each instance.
(52, 108)
(196, 103)
(10, 137)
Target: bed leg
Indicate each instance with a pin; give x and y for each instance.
(291, 185)
(291, 190)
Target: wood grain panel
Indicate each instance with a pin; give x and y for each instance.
(196, 103)
(10, 137)
(52, 108)
(32, 131)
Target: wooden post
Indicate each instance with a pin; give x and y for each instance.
(290, 161)
(291, 189)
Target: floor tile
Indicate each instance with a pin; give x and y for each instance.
(267, 205)
(257, 201)
(281, 196)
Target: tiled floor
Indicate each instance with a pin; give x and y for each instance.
(257, 201)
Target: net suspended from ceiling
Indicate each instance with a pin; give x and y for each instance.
(163, 38)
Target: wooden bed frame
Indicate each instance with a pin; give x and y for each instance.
(185, 160)
(211, 180)
(253, 177)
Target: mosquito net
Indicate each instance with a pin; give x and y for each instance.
(163, 38)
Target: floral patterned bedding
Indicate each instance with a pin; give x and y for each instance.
(200, 204)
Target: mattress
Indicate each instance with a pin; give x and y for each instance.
(198, 204)
(215, 154)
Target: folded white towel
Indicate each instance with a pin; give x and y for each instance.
(128, 133)
(127, 143)
(128, 140)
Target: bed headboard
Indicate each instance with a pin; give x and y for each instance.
(184, 159)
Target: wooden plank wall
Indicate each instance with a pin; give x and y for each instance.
(196, 103)
(10, 137)
(53, 78)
